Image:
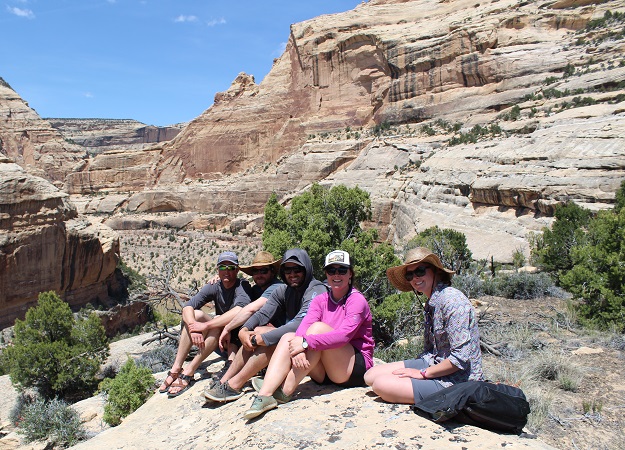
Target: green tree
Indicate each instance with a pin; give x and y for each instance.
(130, 389)
(597, 275)
(620, 199)
(55, 353)
(450, 246)
(321, 220)
(552, 252)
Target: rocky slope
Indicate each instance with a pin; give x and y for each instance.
(99, 135)
(388, 97)
(46, 245)
(32, 142)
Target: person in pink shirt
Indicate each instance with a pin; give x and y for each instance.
(333, 344)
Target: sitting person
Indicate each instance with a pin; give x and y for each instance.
(230, 294)
(333, 344)
(264, 271)
(452, 343)
(282, 313)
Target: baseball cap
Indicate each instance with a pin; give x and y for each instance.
(338, 257)
(228, 257)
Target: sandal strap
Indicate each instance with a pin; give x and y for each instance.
(186, 378)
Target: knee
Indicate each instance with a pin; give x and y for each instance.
(284, 340)
(369, 377)
(318, 328)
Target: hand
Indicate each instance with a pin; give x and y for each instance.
(224, 339)
(198, 327)
(410, 373)
(300, 361)
(295, 346)
(245, 337)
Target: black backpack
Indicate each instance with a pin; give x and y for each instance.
(487, 405)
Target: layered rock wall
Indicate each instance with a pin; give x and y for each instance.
(45, 245)
(32, 142)
(99, 135)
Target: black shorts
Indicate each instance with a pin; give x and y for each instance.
(357, 378)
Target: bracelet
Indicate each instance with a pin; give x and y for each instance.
(424, 373)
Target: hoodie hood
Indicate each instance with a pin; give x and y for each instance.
(301, 258)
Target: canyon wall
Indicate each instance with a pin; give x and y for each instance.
(96, 136)
(480, 117)
(46, 245)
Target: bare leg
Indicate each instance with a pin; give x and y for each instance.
(337, 363)
(382, 370)
(389, 387)
(211, 341)
(255, 362)
(279, 366)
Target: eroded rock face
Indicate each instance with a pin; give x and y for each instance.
(404, 64)
(32, 142)
(99, 135)
(45, 245)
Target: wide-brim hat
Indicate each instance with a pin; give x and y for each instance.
(262, 259)
(397, 275)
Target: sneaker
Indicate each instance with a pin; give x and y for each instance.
(279, 394)
(222, 392)
(216, 376)
(260, 405)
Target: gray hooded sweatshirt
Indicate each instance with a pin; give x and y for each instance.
(287, 306)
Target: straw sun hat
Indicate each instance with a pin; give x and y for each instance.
(396, 275)
(261, 259)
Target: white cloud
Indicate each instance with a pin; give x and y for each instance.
(88, 95)
(27, 13)
(212, 23)
(181, 18)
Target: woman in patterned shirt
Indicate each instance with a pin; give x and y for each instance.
(452, 343)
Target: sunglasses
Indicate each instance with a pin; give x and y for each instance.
(227, 267)
(263, 271)
(418, 272)
(290, 270)
(335, 270)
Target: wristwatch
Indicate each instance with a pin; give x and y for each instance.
(424, 374)
(304, 343)
(253, 340)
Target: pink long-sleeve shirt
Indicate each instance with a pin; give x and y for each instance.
(350, 320)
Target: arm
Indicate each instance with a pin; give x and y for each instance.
(238, 320)
(272, 337)
(266, 312)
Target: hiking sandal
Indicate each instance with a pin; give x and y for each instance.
(174, 376)
(181, 379)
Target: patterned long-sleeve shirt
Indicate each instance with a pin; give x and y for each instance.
(451, 333)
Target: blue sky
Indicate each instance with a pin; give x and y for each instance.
(157, 61)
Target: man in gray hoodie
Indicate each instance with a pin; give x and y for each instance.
(282, 313)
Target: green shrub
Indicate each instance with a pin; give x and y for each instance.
(410, 349)
(158, 359)
(40, 420)
(598, 273)
(130, 389)
(55, 353)
(450, 246)
(522, 286)
(321, 220)
(398, 316)
(552, 251)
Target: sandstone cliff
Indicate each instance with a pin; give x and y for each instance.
(475, 116)
(32, 142)
(99, 135)
(45, 245)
